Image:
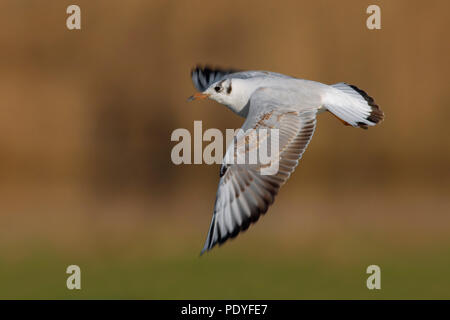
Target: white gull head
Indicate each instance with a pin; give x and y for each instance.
(232, 92)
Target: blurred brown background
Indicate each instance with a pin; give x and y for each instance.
(87, 116)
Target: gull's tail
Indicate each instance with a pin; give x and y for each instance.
(352, 105)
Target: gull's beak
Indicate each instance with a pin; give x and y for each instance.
(198, 96)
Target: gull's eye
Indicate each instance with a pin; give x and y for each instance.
(217, 88)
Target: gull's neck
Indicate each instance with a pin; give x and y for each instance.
(242, 91)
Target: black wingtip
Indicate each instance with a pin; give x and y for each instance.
(206, 68)
(202, 252)
(204, 76)
(205, 248)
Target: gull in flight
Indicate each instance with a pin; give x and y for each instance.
(273, 101)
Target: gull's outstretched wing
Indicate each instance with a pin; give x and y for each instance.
(204, 77)
(243, 193)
